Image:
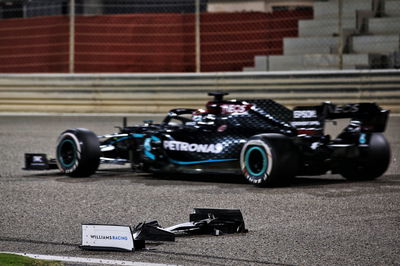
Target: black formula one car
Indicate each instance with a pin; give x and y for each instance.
(262, 140)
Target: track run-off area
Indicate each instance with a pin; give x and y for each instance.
(320, 220)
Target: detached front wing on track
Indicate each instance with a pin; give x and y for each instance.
(122, 238)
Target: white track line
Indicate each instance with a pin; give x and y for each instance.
(87, 260)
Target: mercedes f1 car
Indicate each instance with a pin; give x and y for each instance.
(261, 140)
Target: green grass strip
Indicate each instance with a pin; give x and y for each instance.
(18, 260)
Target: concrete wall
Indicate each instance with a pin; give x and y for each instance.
(154, 93)
(252, 5)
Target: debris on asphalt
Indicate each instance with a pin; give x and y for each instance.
(203, 221)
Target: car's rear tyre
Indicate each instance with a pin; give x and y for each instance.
(372, 162)
(78, 152)
(269, 160)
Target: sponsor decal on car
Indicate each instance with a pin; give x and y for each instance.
(234, 108)
(193, 147)
(342, 109)
(38, 159)
(305, 123)
(304, 114)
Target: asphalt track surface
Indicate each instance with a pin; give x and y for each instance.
(322, 220)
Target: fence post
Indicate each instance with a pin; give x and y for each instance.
(197, 33)
(71, 36)
(340, 28)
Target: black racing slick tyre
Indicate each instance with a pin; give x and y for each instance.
(372, 162)
(269, 160)
(78, 152)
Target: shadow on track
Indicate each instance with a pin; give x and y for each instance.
(199, 179)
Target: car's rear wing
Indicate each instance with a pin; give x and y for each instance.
(311, 119)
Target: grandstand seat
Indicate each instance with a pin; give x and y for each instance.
(371, 38)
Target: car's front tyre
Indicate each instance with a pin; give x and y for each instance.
(78, 152)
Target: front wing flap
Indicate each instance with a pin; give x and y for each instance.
(39, 161)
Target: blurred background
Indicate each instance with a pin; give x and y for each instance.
(137, 36)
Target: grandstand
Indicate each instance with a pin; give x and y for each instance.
(364, 35)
